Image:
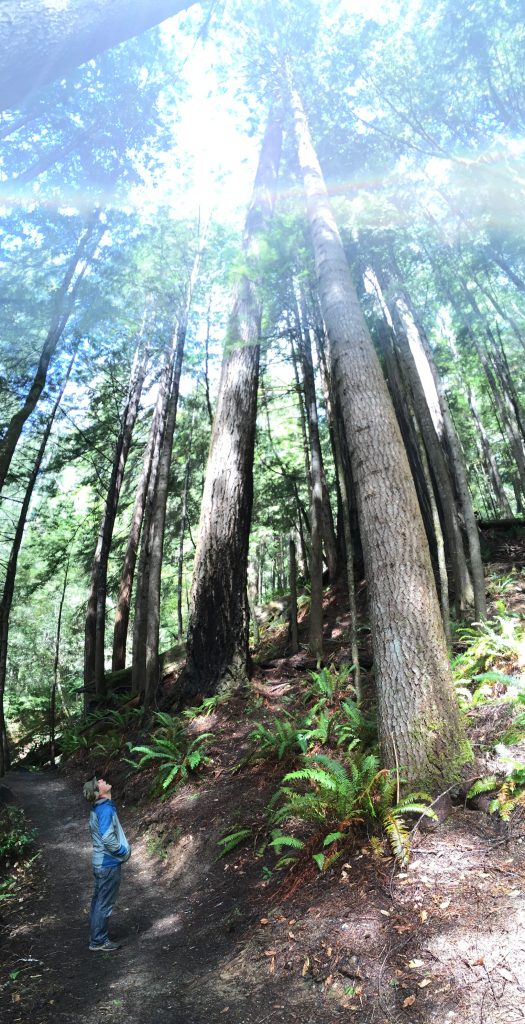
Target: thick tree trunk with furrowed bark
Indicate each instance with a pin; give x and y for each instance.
(419, 722)
(217, 644)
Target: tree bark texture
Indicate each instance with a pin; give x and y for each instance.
(40, 42)
(10, 576)
(419, 723)
(217, 642)
(62, 309)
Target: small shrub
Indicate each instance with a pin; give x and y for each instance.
(16, 836)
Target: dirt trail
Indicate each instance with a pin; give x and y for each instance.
(179, 933)
(167, 937)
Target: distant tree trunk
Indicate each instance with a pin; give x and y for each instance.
(447, 434)
(180, 567)
(62, 308)
(158, 521)
(316, 498)
(95, 626)
(40, 42)
(491, 465)
(10, 576)
(419, 721)
(417, 455)
(56, 668)
(140, 622)
(464, 594)
(327, 521)
(120, 632)
(217, 644)
(294, 643)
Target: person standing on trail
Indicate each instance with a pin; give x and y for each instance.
(110, 850)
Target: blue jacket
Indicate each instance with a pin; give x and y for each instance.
(110, 846)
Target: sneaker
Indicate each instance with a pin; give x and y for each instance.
(106, 947)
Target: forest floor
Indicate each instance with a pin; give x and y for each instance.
(208, 940)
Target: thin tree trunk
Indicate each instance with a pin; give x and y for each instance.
(140, 622)
(445, 429)
(63, 307)
(316, 498)
(180, 567)
(150, 460)
(294, 642)
(40, 42)
(419, 722)
(464, 593)
(217, 644)
(56, 667)
(491, 465)
(95, 625)
(10, 577)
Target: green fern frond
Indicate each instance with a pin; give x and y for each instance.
(486, 785)
(397, 833)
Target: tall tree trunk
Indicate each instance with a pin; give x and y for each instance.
(149, 463)
(316, 496)
(56, 667)
(294, 643)
(445, 429)
(95, 625)
(40, 42)
(327, 521)
(10, 576)
(140, 621)
(158, 521)
(62, 308)
(180, 565)
(217, 644)
(417, 455)
(491, 465)
(464, 594)
(419, 722)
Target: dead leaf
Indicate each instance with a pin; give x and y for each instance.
(270, 952)
(291, 935)
(423, 916)
(506, 974)
(416, 963)
(385, 913)
(306, 967)
(329, 980)
(479, 962)
(409, 1001)
(264, 920)
(272, 965)
(329, 951)
(444, 905)
(424, 983)
(400, 928)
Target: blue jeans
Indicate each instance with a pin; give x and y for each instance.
(107, 882)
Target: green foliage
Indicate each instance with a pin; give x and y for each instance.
(177, 754)
(336, 795)
(510, 791)
(16, 836)
(233, 839)
(485, 642)
(280, 739)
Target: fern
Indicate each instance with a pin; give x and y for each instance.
(233, 839)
